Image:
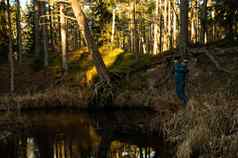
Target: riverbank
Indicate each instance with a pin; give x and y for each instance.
(207, 126)
(144, 82)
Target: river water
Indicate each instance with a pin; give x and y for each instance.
(113, 134)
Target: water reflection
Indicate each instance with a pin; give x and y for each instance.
(80, 135)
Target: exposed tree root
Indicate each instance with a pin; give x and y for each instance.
(102, 95)
(218, 66)
(217, 51)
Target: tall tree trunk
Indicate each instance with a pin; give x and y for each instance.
(45, 37)
(131, 25)
(175, 22)
(203, 19)
(183, 27)
(58, 31)
(63, 38)
(51, 19)
(174, 30)
(155, 46)
(169, 26)
(161, 33)
(10, 49)
(165, 32)
(36, 29)
(92, 46)
(148, 39)
(75, 36)
(113, 24)
(135, 31)
(143, 38)
(18, 25)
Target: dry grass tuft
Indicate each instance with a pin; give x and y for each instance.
(204, 129)
(52, 98)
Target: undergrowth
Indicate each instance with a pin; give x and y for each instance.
(207, 129)
(52, 98)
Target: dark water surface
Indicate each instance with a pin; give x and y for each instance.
(114, 134)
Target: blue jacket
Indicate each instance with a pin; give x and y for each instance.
(180, 72)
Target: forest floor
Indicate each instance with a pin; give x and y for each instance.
(204, 127)
(143, 82)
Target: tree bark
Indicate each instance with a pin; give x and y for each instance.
(63, 38)
(45, 37)
(18, 25)
(131, 25)
(183, 27)
(51, 19)
(36, 28)
(161, 33)
(155, 46)
(170, 43)
(165, 31)
(113, 24)
(92, 46)
(203, 20)
(10, 49)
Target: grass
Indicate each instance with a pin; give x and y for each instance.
(49, 99)
(204, 129)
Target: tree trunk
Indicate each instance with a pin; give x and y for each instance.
(10, 49)
(174, 30)
(169, 26)
(45, 37)
(3, 32)
(18, 26)
(165, 31)
(142, 38)
(113, 24)
(63, 38)
(183, 27)
(203, 20)
(36, 29)
(51, 19)
(131, 25)
(161, 33)
(92, 46)
(155, 46)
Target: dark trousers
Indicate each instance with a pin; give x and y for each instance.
(180, 91)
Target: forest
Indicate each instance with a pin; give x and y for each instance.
(119, 78)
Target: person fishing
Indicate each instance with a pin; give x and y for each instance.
(181, 71)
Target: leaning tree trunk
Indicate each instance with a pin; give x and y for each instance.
(183, 27)
(92, 46)
(10, 49)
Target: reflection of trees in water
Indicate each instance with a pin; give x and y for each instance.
(72, 142)
(65, 145)
(119, 150)
(104, 136)
(13, 147)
